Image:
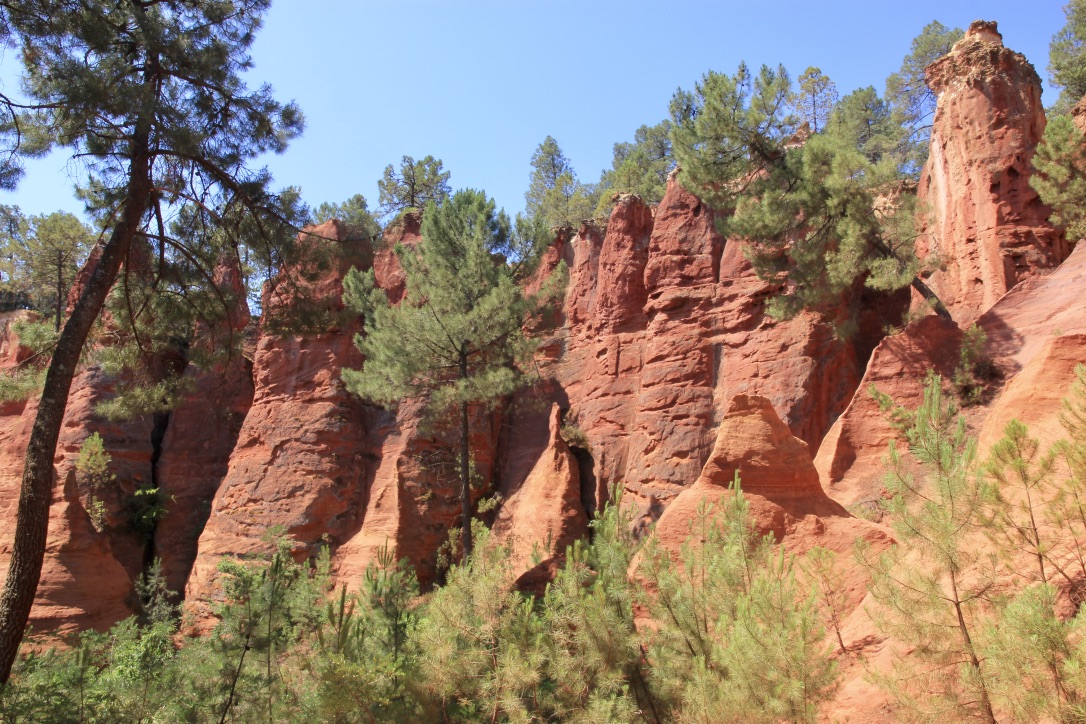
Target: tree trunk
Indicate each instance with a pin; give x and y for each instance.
(60, 290)
(35, 495)
(985, 701)
(931, 297)
(465, 467)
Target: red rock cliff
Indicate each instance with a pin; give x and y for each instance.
(982, 224)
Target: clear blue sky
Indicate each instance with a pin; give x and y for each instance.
(481, 84)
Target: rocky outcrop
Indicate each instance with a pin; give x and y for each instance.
(666, 324)
(850, 458)
(414, 493)
(299, 465)
(387, 271)
(544, 515)
(1036, 336)
(86, 577)
(982, 224)
(202, 431)
(781, 486)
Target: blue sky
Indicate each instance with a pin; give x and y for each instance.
(481, 84)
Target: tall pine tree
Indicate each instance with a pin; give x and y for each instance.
(458, 336)
(150, 97)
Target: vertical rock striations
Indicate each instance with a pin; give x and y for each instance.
(298, 465)
(982, 225)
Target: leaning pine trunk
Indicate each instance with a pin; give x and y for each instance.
(36, 492)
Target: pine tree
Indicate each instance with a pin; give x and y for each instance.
(1021, 492)
(1035, 660)
(641, 167)
(483, 655)
(934, 585)
(907, 92)
(1060, 161)
(151, 98)
(820, 214)
(46, 259)
(415, 185)
(1067, 57)
(354, 212)
(738, 639)
(458, 336)
(815, 98)
(554, 194)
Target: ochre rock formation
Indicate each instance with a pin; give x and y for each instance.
(298, 464)
(981, 223)
(850, 458)
(202, 432)
(781, 486)
(545, 513)
(665, 324)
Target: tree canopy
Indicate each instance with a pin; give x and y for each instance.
(640, 167)
(354, 212)
(554, 194)
(820, 212)
(815, 98)
(415, 185)
(911, 101)
(1067, 56)
(41, 256)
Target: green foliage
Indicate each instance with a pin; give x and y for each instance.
(1060, 161)
(640, 168)
(911, 101)
(92, 465)
(574, 436)
(822, 574)
(934, 583)
(368, 655)
(554, 195)
(145, 507)
(1022, 488)
(40, 256)
(738, 640)
(414, 186)
(815, 98)
(21, 383)
(354, 212)
(1036, 660)
(975, 368)
(1067, 56)
(820, 213)
(93, 475)
(460, 305)
(729, 129)
(458, 337)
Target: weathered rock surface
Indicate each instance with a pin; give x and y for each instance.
(544, 514)
(666, 323)
(201, 434)
(849, 459)
(386, 267)
(414, 491)
(781, 486)
(82, 584)
(988, 229)
(298, 464)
